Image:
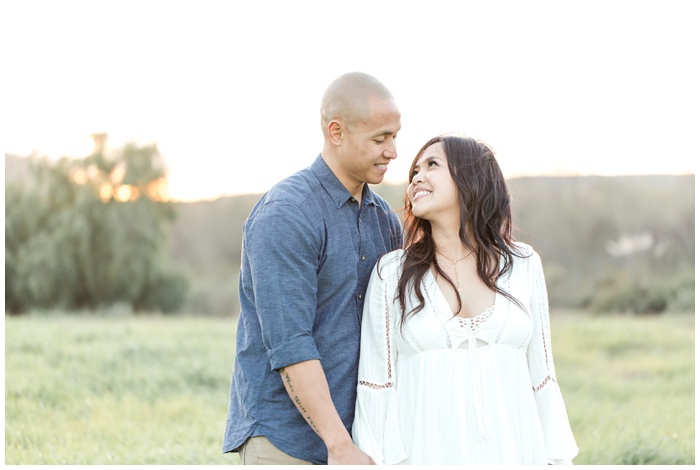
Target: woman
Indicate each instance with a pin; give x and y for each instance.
(455, 360)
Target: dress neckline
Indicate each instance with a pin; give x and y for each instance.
(445, 312)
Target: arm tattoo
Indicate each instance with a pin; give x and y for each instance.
(313, 425)
(287, 379)
(297, 401)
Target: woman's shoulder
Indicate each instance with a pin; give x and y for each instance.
(525, 258)
(392, 259)
(523, 250)
(390, 262)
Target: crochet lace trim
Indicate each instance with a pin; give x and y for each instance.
(474, 323)
(546, 380)
(387, 330)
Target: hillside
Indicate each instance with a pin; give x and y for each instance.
(607, 243)
(590, 231)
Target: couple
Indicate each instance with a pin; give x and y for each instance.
(354, 347)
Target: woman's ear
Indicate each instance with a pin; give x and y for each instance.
(335, 132)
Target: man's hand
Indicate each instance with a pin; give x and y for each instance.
(348, 454)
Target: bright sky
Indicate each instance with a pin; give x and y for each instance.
(230, 90)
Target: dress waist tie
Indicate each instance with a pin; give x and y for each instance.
(484, 432)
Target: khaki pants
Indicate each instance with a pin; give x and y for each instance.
(260, 451)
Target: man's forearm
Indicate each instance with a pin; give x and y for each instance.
(307, 386)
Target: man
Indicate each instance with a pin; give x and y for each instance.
(309, 246)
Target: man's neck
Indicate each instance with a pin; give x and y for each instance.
(355, 189)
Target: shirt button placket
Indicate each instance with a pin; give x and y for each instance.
(362, 258)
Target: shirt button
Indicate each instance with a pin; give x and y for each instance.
(363, 258)
(359, 295)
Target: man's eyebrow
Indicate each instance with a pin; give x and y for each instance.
(384, 133)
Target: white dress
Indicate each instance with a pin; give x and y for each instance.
(448, 390)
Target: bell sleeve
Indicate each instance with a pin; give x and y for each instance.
(376, 429)
(559, 439)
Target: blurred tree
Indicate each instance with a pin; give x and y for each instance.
(88, 233)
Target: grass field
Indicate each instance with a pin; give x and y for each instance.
(154, 390)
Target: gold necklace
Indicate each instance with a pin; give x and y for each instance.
(454, 264)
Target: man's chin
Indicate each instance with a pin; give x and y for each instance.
(375, 179)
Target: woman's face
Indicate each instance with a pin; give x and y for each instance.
(432, 191)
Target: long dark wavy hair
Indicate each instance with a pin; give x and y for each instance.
(485, 213)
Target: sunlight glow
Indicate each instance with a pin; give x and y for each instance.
(80, 176)
(106, 192)
(126, 192)
(157, 190)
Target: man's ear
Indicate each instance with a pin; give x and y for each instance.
(335, 132)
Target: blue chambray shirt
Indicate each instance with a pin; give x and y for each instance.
(308, 252)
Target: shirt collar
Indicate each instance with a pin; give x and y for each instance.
(335, 188)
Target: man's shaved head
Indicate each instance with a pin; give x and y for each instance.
(347, 98)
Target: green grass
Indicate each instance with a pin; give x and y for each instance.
(90, 390)
(629, 386)
(154, 390)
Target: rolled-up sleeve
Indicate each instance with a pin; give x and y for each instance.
(283, 250)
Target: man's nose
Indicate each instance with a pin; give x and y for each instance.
(390, 152)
